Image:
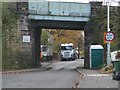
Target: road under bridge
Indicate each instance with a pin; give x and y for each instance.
(53, 15)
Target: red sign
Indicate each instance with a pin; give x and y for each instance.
(109, 36)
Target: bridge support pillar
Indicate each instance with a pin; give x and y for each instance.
(29, 43)
(36, 46)
(92, 37)
(86, 49)
(25, 43)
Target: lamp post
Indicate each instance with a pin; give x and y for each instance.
(108, 30)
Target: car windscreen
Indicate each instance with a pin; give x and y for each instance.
(66, 47)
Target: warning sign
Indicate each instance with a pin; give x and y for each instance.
(109, 36)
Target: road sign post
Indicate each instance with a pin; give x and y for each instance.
(108, 30)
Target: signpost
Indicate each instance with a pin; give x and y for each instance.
(108, 30)
(109, 36)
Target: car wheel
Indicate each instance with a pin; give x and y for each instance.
(113, 78)
(62, 59)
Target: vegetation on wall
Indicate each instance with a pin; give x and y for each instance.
(98, 24)
(11, 55)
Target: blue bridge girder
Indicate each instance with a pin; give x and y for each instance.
(62, 11)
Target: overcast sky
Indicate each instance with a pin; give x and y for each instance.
(113, 2)
(81, 0)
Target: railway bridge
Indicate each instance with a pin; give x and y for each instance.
(37, 15)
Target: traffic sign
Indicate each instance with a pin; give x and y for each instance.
(109, 36)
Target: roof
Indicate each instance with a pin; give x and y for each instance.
(67, 44)
(96, 47)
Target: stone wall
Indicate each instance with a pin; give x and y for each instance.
(26, 46)
(30, 49)
(92, 37)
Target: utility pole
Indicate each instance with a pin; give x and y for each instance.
(108, 30)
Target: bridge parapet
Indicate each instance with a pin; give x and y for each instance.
(68, 11)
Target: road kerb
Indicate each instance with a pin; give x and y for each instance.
(82, 75)
(27, 70)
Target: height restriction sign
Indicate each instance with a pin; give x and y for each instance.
(109, 36)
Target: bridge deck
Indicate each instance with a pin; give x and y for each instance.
(64, 11)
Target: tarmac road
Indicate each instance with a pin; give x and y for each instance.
(56, 77)
(61, 75)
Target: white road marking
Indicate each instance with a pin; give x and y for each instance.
(97, 75)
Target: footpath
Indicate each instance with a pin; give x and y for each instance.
(44, 66)
(93, 79)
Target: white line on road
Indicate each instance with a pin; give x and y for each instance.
(97, 75)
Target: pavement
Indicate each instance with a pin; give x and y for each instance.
(94, 79)
(45, 66)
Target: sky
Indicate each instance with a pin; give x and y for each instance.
(84, 1)
(81, 0)
(113, 2)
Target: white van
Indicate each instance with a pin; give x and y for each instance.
(68, 52)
